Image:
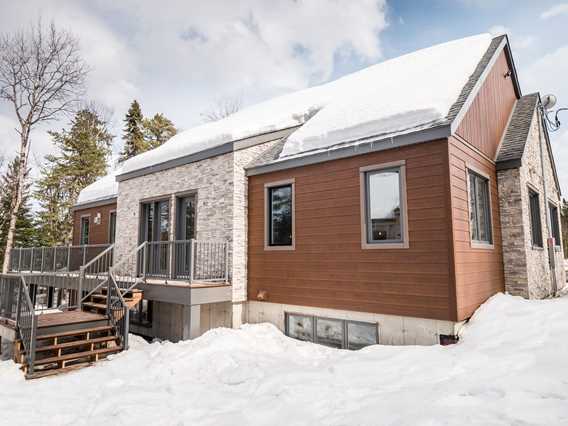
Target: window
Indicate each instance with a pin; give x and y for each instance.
(383, 209)
(84, 237)
(554, 224)
(479, 209)
(112, 227)
(300, 327)
(336, 333)
(154, 228)
(280, 215)
(186, 217)
(536, 226)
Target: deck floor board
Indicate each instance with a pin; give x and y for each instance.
(68, 317)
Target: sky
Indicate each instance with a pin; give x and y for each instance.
(181, 57)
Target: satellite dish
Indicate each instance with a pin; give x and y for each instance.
(548, 102)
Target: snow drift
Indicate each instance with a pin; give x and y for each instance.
(510, 368)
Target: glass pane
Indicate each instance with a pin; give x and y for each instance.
(164, 220)
(360, 335)
(329, 332)
(482, 198)
(383, 192)
(149, 208)
(84, 231)
(301, 327)
(188, 207)
(112, 227)
(281, 216)
(473, 208)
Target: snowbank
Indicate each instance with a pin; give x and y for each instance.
(510, 368)
(102, 189)
(411, 91)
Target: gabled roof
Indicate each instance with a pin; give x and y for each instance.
(515, 140)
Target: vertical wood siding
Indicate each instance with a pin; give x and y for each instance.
(488, 115)
(98, 234)
(328, 267)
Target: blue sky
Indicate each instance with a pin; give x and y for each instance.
(178, 57)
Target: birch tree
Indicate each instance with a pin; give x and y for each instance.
(42, 76)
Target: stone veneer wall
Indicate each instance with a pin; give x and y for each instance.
(533, 279)
(221, 187)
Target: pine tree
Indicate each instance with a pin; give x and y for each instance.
(26, 234)
(133, 134)
(84, 151)
(158, 130)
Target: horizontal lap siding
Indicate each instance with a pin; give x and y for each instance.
(328, 267)
(98, 234)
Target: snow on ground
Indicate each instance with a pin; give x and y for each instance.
(511, 367)
(404, 93)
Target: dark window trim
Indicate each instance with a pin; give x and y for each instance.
(537, 239)
(555, 224)
(476, 243)
(142, 220)
(110, 213)
(267, 222)
(81, 235)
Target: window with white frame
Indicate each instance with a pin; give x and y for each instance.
(384, 212)
(479, 208)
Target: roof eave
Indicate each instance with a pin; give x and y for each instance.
(95, 203)
(379, 143)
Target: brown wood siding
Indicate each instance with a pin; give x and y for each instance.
(328, 267)
(486, 120)
(478, 271)
(98, 233)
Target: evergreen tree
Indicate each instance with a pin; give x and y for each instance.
(158, 130)
(26, 234)
(84, 150)
(133, 136)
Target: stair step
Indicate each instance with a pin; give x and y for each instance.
(76, 332)
(94, 305)
(77, 355)
(76, 343)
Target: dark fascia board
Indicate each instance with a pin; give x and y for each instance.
(511, 62)
(215, 151)
(515, 163)
(96, 203)
(369, 145)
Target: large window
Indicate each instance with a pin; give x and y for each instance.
(536, 224)
(479, 209)
(186, 217)
(84, 237)
(280, 215)
(383, 206)
(554, 224)
(335, 333)
(154, 228)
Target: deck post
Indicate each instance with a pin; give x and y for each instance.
(18, 303)
(191, 260)
(55, 259)
(84, 255)
(68, 257)
(42, 258)
(144, 259)
(20, 260)
(126, 328)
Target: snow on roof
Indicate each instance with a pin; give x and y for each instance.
(102, 189)
(412, 91)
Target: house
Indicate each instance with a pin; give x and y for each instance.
(385, 206)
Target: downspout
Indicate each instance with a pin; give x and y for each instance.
(550, 238)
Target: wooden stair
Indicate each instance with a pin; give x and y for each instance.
(98, 301)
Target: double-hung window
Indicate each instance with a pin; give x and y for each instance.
(383, 206)
(479, 209)
(536, 224)
(555, 227)
(280, 215)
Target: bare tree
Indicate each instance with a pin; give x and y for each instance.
(222, 108)
(42, 76)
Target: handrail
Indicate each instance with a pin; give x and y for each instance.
(26, 323)
(98, 257)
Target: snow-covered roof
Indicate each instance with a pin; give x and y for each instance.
(102, 189)
(412, 91)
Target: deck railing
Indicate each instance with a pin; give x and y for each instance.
(191, 260)
(54, 259)
(26, 323)
(9, 287)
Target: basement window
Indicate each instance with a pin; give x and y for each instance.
(536, 224)
(479, 209)
(335, 333)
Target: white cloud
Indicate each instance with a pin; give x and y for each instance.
(557, 10)
(177, 57)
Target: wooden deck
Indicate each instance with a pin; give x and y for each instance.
(65, 318)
